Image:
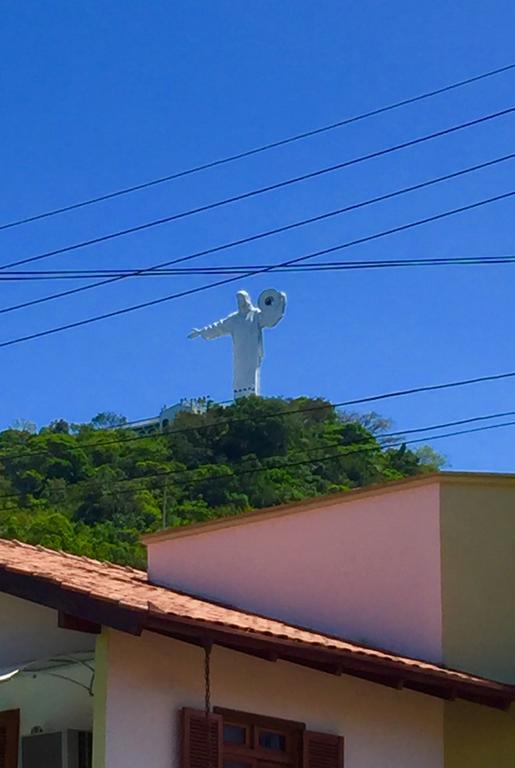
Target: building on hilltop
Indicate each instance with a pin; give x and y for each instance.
(169, 413)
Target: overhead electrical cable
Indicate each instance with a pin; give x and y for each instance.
(446, 425)
(240, 269)
(257, 150)
(342, 453)
(102, 443)
(260, 190)
(252, 273)
(260, 235)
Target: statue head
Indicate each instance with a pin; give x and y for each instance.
(244, 302)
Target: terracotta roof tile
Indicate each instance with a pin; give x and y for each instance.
(131, 590)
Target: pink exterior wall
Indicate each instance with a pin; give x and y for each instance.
(151, 678)
(367, 569)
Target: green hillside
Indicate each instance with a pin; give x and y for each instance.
(93, 490)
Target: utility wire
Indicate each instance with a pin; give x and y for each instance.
(261, 190)
(260, 235)
(256, 150)
(343, 452)
(252, 273)
(446, 425)
(190, 470)
(282, 414)
(231, 269)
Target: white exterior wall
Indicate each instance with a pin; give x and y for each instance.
(29, 632)
(48, 702)
(151, 678)
(366, 569)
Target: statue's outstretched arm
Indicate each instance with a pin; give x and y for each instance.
(214, 330)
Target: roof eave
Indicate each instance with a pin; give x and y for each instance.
(439, 683)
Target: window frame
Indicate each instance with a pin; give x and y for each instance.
(254, 755)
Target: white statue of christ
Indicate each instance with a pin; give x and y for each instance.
(245, 326)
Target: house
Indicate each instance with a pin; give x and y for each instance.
(371, 629)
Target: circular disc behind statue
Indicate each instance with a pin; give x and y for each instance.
(268, 298)
(272, 304)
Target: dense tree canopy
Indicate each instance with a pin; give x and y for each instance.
(94, 488)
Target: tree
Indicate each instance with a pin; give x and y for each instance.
(24, 425)
(430, 459)
(108, 419)
(59, 426)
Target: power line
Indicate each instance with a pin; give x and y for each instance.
(240, 269)
(455, 423)
(282, 414)
(256, 150)
(252, 273)
(252, 238)
(343, 452)
(261, 190)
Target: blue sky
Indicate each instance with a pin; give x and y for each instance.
(100, 95)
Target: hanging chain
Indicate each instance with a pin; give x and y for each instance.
(207, 690)
(207, 679)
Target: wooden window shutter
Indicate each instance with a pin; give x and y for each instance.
(197, 752)
(321, 750)
(9, 735)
